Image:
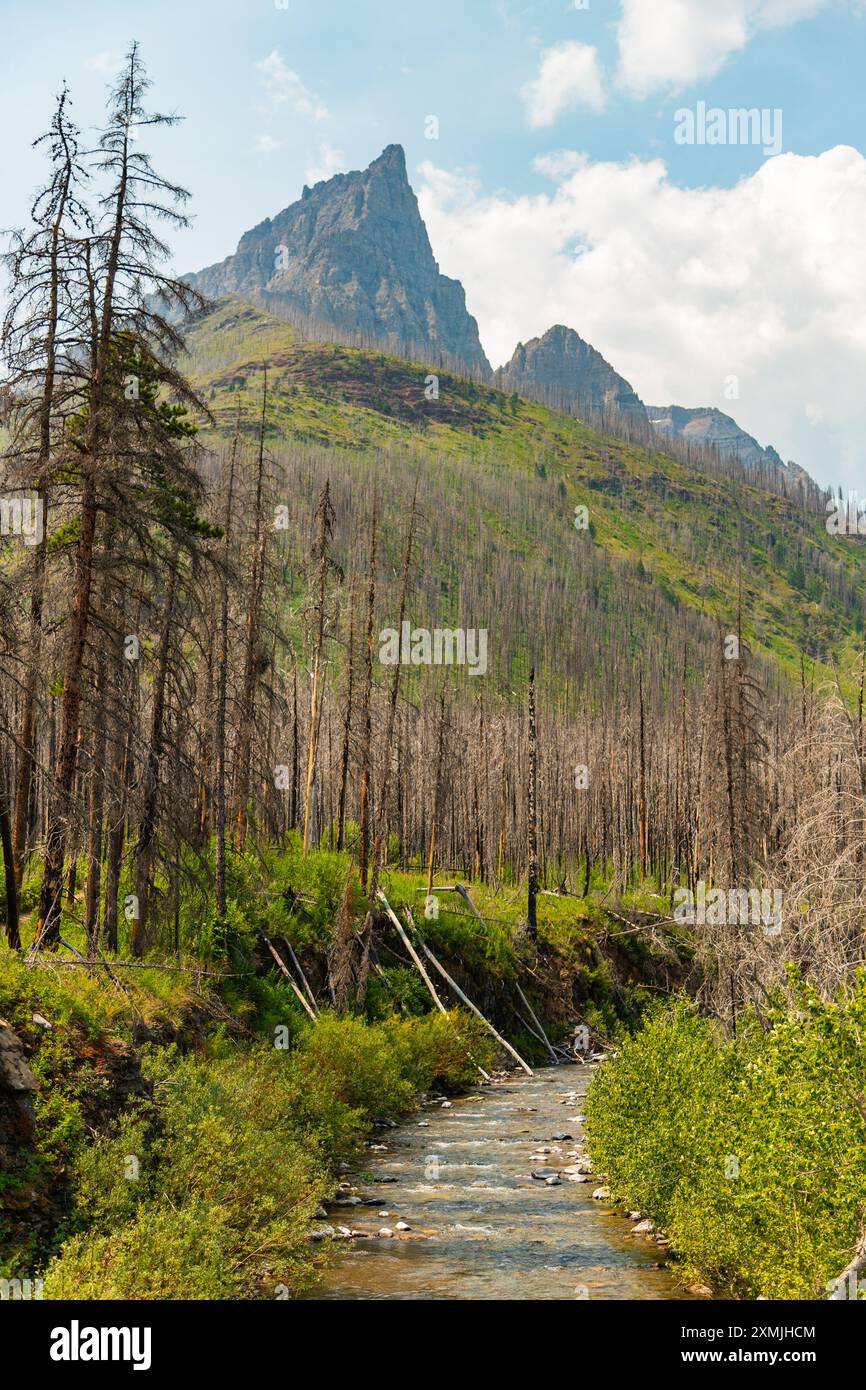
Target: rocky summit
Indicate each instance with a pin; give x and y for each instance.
(712, 429)
(564, 371)
(353, 256)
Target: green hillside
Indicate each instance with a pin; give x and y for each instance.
(511, 473)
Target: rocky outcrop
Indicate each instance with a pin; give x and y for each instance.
(17, 1085)
(567, 373)
(353, 255)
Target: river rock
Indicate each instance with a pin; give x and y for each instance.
(386, 1233)
(384, 1179)
(643, 1228)
(581, 1164)
(403, 1226)
(601, 1194)
(556, 1137)
(323, 1232)
(542, 1174)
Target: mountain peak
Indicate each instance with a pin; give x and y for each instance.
(563, 370)
(392, 158)
(352, 256)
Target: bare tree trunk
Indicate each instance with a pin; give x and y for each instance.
(347, 727)
(146, 846)
(13, 935)
(367, 741)
(48, 928)
(532, 814)
(248, 693)
(324, 518)
(388, 755)
(222, 687)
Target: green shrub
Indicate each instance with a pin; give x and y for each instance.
(750, 1153)
(208, 1190)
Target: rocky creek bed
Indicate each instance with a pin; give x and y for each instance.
(489, 1196)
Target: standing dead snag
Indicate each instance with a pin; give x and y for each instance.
(146, 848)
(325, 518)
(347, 727)
(436, 794)
(40, 332)
(367, 734)
(222, 688)
(532, 816)
(388, 755)
(252, 640)
(12, 933)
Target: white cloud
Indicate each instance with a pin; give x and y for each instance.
(108, 63)
(283, 85)
(559, 163)
(683, 288)
(266, 144)
(330, 161)
(569, 76)
(672, 43)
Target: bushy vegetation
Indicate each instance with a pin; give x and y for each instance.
(749, 1152)
(205, 1187)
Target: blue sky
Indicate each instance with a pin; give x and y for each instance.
(275, 97)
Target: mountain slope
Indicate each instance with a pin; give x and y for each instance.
(669, 547)
(353, 254)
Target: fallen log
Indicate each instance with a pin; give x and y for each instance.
(537, 1022)
(422, 972)
(413, 953)
(463, 891)
(285, 970)
(301, 976)
(503, 1042)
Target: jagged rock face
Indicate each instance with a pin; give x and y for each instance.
(354, 254)
(710, 427)
(560, 368)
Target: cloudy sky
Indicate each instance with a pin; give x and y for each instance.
(559, 187)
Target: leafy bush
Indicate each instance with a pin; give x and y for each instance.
(750, 1153)
(208, 1190)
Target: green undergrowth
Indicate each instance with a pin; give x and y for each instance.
(194, 1171)
(190, 1119)
(207, 1189)
(749, 1152)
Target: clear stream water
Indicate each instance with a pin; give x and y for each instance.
(481, 1226)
